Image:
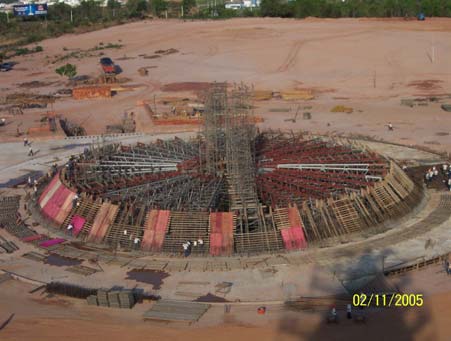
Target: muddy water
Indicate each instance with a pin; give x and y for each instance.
(210, 298)
(153, 277)
(56, 260)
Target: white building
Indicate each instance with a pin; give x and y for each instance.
(238, 4)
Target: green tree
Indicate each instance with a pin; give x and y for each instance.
(68, 70)
(159, 6)
(276, 8)
(188, 5)
(136, 8)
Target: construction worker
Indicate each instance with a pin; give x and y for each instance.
(431, 174)
(185, 249)
(69, 228)
(435, 171)
(136, 243)
(349, 311)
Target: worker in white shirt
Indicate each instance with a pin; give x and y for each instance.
(69, 228)
(136, 243)
(185, 249)
(435, 170)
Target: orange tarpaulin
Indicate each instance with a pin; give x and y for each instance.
(156, 227)
(221, 233)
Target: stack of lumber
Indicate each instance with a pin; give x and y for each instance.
(102, 298)
(122, 298)
(113, 299)
(262, 95)
(92, 300)
(91, 92)
(342, 108)
(294, 95)
(168, 310)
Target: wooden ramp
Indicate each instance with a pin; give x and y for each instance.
(176, 311)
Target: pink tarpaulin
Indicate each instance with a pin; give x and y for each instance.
(52, 242)
(55, 182)
(78, 223)
(55, 208)
(32, 238)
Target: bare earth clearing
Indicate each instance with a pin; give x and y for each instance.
(369, 65)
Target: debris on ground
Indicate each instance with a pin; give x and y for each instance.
(143, 71)
(294, 95)
(91, 92)
(166, 52)
(71, 128)
(127, 125)
(262, 95)
(342, 108)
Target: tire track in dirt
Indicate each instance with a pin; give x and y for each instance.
(291, 59)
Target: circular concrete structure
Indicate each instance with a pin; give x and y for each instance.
(296, 192)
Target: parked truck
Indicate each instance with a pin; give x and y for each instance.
(108, 66)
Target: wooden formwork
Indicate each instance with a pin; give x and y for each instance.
(187, 226)
(129, 219)
(392, 197)
(87, 209)
(258, 242)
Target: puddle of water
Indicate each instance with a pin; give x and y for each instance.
(21, 180)
(210, 298)
(56, 260)
(153, 277)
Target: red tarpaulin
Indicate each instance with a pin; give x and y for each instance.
(32, 238)
(294, 237)
(103, 220)
(55, 182)
(156, 227)
(221, 233)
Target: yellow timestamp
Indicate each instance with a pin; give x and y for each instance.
(387, 300)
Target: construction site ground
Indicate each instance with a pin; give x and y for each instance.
(368, 65)
(363, 64)
(324, 272)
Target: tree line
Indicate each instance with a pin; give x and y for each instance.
(354, 8)
(90, 15)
